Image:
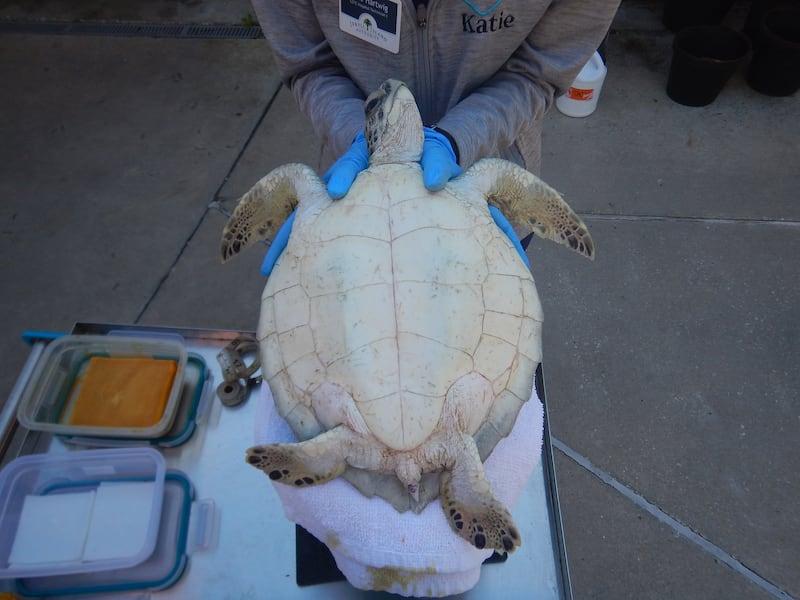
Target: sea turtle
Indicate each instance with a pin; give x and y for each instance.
(400, 330)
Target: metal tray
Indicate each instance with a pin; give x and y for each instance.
(256, 552)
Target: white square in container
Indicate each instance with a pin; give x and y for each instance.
(52, 529)
(120, 520)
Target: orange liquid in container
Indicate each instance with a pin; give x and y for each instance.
(122, 392)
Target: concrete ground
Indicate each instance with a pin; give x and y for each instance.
(671, 362)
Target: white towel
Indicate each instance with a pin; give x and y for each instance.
(378, 548)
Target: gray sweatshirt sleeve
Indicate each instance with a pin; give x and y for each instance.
(496, 114)
(488, 90)
(310, 69)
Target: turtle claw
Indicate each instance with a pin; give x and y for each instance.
(471, 508)
(292, 464)
(280, 465)
(484, 524)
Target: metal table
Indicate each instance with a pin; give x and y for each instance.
(254, 555)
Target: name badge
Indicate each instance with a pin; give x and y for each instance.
(374, 21)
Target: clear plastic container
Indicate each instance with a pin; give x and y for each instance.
(196, 396)
(55, 384)
(78, 512)
(186, 526)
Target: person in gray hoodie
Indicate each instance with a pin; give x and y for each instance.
(484, 72)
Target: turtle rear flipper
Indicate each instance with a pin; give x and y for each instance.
(471, 508)
(262, 210)
(527, 200)
(317, 460)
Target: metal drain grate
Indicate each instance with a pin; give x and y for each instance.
(155, 30)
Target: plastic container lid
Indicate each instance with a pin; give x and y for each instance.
(60, 513)
(192, 406)
(61, 375)
(185, 527)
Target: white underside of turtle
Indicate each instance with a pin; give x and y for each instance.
(399, 330)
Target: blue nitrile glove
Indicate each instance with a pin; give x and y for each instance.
(439, 161)
(343, 172)
(501, 221)
(278, 245)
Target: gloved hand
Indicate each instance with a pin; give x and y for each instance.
(343, 172)
(278, 245)
(501, 221)
(439, 164)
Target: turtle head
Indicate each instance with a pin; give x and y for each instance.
(393, 126)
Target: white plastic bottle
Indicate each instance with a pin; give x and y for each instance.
(582, 96)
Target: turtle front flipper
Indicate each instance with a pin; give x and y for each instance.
(317, 460)
(527, 200)
(263, 209)
(471, 508)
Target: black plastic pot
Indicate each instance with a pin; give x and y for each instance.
(775, 70)
(679, 14)
(703, 60)
(758, 8)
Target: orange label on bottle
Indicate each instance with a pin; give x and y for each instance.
(579, 94)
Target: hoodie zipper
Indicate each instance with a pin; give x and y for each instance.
(422, 12)
(425, 93)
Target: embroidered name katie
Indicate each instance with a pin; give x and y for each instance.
(472, 23)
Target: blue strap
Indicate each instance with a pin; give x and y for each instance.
(278, 245)
(501, 221)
